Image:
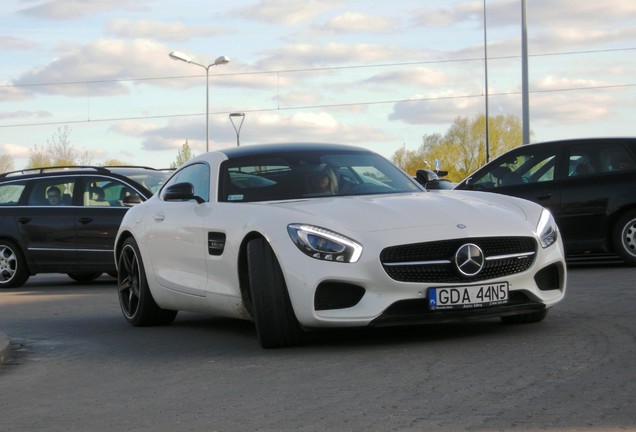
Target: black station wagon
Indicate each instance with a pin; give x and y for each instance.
(589, 185)
(64, 219)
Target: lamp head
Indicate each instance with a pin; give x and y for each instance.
(222, 60)
(176, 55)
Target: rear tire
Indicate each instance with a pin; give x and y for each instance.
(13, 270)
(276, 323)
(528, 318)
(624, 237)
(136, 301)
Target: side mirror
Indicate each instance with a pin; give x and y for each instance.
(424, 176)
(181, 192)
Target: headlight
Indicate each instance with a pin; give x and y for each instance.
(325, 245)
(547, 229)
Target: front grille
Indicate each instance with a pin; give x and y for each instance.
(434, 262)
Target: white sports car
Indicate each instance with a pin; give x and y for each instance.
(304, 236)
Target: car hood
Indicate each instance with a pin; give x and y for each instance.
(474, 212)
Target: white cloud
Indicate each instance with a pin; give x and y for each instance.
(24, 115)
(16, 150)
(9, 92)
(13, 43)
(419, 76)
(574, 108)
(356, 22)
(287, 12)
(107, 63)
(310, 55)
(439, 109)
(550, 82)
(146, 29)
(67, 10)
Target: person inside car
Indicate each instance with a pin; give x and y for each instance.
(54, 196)
(323, 182)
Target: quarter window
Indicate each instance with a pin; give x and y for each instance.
(10, 193)
(589, 159)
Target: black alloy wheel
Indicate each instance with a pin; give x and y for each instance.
(136, 301)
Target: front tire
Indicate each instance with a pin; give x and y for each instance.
(624, 238)
(276, 323)
(136, 301)
(13, 271)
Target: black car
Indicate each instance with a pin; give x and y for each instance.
(589, 185)
(64, 219)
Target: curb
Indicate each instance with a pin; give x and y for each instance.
(5, 348)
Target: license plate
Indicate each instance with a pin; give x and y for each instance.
(468, 297)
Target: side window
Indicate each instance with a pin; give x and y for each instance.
(198, 175)
(52, 191)
(616, 158)
(10, 193)
(584, 160)
(588, 159)
(533, 166)
(104, 191)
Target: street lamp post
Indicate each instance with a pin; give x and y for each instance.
(175, 55)
(238, 131)
(525, 101)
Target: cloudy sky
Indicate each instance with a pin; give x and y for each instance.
(374, 73)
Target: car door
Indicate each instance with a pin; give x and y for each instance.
(47, 227)
(175, 235)
(98, 219)
(588, 187)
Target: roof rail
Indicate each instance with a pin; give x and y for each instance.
(54, 168)
(130, 166)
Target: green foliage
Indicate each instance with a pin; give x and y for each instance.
(462, 150)
(184, 155)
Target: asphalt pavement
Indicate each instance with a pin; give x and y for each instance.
(5, 342)
(5, 347)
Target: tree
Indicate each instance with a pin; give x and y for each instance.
(39, 157)
(6, 163)
(60, 148)
(462, 150)
(58, 151)
(114, 162)
(184, 155)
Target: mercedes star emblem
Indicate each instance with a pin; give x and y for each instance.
(469, 259)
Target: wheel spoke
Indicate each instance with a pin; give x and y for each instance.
(129, 291)
(8, 264)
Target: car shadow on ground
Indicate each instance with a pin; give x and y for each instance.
(355, 337)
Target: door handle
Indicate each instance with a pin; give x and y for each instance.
(24, 220)
(544, 197)
(85, 220)
(159, 217)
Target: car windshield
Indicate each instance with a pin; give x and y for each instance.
(310, 174)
